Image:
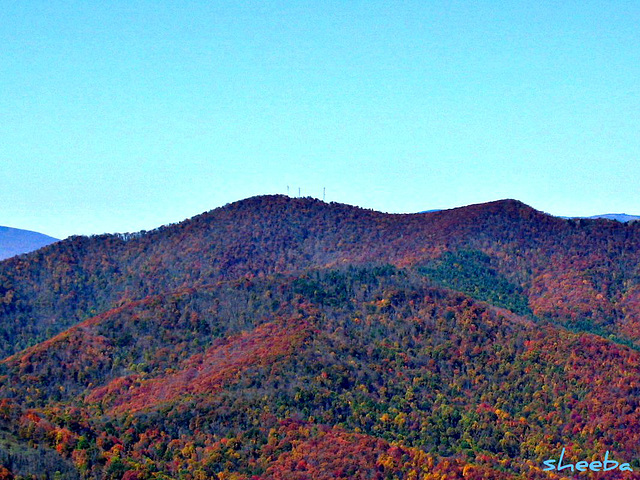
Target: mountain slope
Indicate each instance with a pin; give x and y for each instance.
(399, 363)
(14, 241)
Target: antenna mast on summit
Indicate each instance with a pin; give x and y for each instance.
(324, 191)
(298, 192)
(287, 190)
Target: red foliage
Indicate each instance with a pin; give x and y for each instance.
(221, 364)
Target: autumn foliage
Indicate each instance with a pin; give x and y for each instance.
(280, 338)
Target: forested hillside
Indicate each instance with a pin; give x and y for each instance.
(280, 338)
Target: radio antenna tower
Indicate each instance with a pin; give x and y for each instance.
(324, 191)
(298, 192)
(287, 190)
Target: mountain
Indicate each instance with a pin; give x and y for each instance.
(287, 338)
(14, 241)
(620, 217)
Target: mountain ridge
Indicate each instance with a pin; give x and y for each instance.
(620, 217)
(16, 241)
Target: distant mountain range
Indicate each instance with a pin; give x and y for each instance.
(620, 217)
(281, 338)
(14, 241)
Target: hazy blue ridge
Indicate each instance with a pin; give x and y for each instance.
(14, 241)
(620, 217)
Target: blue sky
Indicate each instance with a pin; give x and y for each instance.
(121, 116)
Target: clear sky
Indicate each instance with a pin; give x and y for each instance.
(126, 115)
